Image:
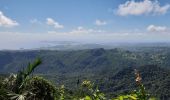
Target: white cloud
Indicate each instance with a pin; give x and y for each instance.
(6, 22)
(53, 23)
(100, 23)
(35, 21)
(143, 7)
(153, 28)
(82, 30)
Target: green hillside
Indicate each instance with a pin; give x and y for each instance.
(92, 60)
(110, 70)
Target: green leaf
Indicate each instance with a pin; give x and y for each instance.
(87, 98)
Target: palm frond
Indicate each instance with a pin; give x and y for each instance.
(31, 67)
(23, 75)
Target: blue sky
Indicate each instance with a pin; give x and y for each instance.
(26, 23)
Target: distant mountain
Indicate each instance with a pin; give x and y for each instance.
(74, 47)
(71, 45)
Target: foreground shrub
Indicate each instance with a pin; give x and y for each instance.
(40, 88)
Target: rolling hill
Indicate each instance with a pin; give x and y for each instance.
(111, 70)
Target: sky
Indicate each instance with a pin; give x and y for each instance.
(27, 23)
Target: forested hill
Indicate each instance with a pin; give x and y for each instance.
(111, 70)
(155, 79)
(92, 60)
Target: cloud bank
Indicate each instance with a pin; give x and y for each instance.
(154, 28)
(82, 30)
(145, 7)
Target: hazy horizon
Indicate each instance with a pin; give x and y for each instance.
(25, 24)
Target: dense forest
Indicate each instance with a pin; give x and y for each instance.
(23, 86)
(110, 71)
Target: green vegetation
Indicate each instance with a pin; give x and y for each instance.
(24, 86)
(91, 61)
(110, 71)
